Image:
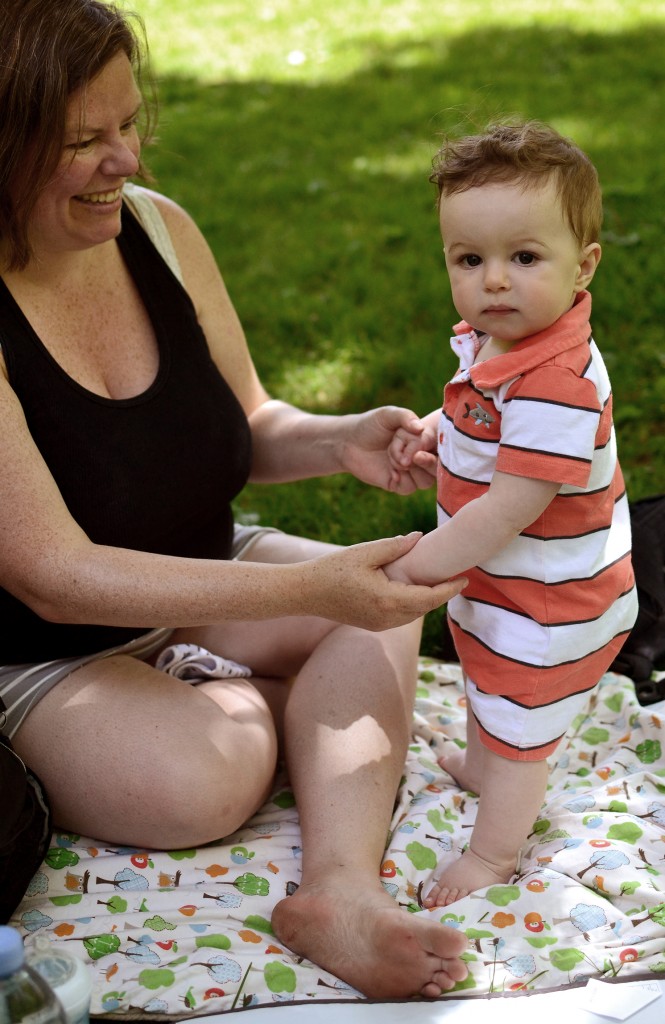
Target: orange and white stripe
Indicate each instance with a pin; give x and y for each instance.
(541, 621)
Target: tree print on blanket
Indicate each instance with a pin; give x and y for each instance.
(188, 932)
(602, 826)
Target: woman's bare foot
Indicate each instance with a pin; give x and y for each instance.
(355, 930)
(456, 764)
(466, 875)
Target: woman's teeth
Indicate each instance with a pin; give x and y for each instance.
(101, 197)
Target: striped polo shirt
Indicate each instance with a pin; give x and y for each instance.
(554, 606)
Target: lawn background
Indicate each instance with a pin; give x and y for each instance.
(299, 134)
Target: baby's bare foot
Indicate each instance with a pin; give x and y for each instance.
(467, 875)
(360, 935)
(464, 775)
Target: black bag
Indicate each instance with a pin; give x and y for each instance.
(25, 826)
(644, 650)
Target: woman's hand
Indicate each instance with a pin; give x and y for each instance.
(390, 448)
(350, 586)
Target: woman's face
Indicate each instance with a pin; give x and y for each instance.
(80, 206)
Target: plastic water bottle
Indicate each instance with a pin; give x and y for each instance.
(67, 975)
(25, 997)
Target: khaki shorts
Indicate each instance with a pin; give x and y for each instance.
(22, 686)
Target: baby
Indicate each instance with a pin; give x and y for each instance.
(531, 501)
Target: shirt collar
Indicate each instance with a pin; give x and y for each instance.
(567, 332)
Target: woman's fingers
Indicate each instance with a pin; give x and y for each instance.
(350, 586)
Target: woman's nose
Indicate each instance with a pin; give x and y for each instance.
(123, 159)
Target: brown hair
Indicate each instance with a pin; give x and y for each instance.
(48, 50)
(525, 153)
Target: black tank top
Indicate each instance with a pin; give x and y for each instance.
(156, 472)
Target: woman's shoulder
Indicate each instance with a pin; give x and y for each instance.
(199, 272)
(146, 200)
(185, 235)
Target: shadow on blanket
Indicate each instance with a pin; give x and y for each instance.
(188, 932)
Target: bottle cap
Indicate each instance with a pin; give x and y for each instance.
(12, 954)
(66, 974)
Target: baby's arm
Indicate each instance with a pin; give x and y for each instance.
(477, 532)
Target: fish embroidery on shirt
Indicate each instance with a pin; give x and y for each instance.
(478, 415)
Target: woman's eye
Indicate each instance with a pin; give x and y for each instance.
(525, 259)
(81, 144)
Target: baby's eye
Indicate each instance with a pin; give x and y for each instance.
(471, 260)
(525, 259)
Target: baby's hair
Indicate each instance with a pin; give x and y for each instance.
(525, 153)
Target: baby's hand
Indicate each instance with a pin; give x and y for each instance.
(413, 450)
(404, 445)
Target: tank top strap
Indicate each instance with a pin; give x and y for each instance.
(151, 220)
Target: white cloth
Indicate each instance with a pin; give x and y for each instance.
(194, 664)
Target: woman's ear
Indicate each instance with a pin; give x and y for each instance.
(589, 260)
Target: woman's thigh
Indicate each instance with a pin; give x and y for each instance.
(133, 756)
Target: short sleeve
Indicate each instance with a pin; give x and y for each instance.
(550, 420)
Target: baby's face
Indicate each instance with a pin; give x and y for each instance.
(515, 265)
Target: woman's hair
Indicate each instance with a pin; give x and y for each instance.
(49, 49)
(524, 153)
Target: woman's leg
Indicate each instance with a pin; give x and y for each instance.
(347, 727)
(135, 757)
(132, 756)
(148, 763)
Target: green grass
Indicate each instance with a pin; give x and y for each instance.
(299, 134)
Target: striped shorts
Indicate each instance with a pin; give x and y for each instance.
(519, 731)
(22, 686)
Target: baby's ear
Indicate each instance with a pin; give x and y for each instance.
(589, 260)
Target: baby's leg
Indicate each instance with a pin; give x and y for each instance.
(512, 795)
(466, 766)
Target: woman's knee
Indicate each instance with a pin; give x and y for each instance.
(402, 645)
(225, 762)
(136, 757)
(209, 793)
(190, 792)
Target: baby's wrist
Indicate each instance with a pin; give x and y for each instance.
(396, 572)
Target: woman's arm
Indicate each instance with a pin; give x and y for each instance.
(214, 309)
(290, 444)
(50, 564)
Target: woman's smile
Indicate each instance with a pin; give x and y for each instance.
(97, 198)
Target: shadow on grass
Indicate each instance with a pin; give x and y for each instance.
(316, 202)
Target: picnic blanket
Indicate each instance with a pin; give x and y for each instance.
(169, 934)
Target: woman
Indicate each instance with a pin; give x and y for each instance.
(132, 415)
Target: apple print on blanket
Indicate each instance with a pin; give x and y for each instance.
(188, 932)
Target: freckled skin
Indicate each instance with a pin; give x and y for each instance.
(333, 644)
